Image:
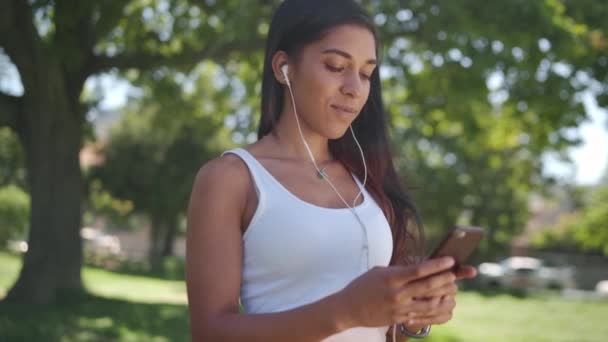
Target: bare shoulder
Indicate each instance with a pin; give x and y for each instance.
(226, 175)
(213, 240)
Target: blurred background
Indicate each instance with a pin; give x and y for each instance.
(498, 115)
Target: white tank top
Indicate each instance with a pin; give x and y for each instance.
(296, 252)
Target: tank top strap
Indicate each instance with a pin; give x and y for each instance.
(360, 185)
(262, 182)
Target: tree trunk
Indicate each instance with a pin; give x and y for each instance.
(51, 133)
(156, 232)
(169, 239)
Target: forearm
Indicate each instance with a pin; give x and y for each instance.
(309, 323)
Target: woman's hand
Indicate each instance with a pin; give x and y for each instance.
(442, 302)
(388, 295)
(466, 272)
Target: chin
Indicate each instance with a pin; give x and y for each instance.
(337, 133)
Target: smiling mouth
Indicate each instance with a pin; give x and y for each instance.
(344, 109)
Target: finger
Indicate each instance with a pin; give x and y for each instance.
(447, 290)
(434, 308)
(424, 269)
(439, 319)
(420, 307)
(403, 317)
(421, 288)
(466, 272)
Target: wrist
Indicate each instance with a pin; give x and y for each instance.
(340, 312)
(414, 327)
(418, 333)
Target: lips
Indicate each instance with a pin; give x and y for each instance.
(345, 109)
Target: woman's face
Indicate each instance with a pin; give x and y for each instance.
(331, 80)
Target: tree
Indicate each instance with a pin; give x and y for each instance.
(508, 83)
(591, 233)
(55, 47)
(151, 158)
(583, 230)
(478, 92)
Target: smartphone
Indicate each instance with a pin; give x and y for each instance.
(460, 242)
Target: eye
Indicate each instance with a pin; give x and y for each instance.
(366, 77)
(333, 69)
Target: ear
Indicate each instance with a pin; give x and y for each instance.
(279, 59)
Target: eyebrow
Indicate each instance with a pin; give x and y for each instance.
(347, 55)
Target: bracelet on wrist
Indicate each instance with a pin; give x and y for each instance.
(424, 332)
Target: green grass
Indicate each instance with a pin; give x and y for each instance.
(135, 288)
(9, 267)
(548, 318)
(94, 319)
(139, 308)
(122, 308)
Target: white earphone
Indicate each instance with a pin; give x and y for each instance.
(284, 70)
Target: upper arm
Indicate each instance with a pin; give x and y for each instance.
(213, 240)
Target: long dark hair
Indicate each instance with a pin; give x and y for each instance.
(297, 23)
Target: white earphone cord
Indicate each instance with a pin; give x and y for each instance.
(352, 209)
(313, 158)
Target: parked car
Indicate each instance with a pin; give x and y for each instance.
(602, 288)
(98, 243)
(526, 273)
(17, 246)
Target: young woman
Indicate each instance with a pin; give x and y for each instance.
(309, 228)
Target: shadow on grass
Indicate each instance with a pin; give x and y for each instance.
(94, 319)
(168, 268)
(493, 292)
(517, 293)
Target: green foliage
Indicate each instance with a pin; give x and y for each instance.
(14, 213)
(101, 203)
(476, 98)
(152, 166)
(153, 154)
(584, 230)
(592, 231)
(560, 237)
(12, 159)
(163, 138)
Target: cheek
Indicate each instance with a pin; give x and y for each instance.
(366, 93)
(321, 85)
(327, 79)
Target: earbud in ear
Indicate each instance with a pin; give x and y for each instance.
(284, 69)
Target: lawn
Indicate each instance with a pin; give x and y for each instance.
(547, 318)
(124, 308)
(138, 308)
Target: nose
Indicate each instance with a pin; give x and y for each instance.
(352, 86)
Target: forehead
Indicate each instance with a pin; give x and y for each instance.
(355, 40)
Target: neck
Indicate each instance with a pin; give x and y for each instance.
(287, 136)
